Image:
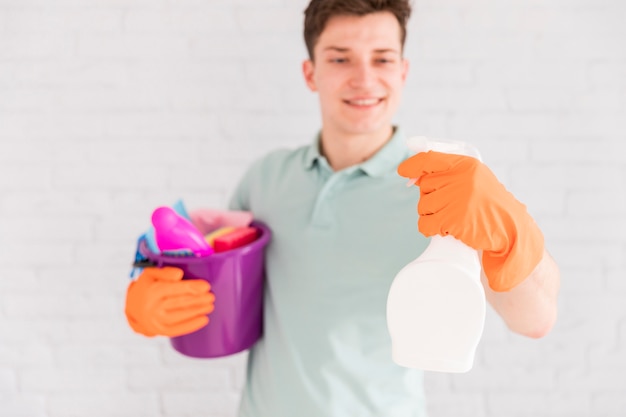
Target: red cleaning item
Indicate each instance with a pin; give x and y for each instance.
(239, 237)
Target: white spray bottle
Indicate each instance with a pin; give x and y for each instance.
(436, 303)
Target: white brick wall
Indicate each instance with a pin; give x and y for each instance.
(109, 108)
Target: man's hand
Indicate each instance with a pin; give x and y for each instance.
(160, 303)
(460, 196)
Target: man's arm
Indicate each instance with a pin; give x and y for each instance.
(530, 308)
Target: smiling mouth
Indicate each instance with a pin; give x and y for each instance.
(364, 103)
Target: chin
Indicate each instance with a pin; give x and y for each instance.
(367, 128)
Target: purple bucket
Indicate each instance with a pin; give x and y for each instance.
(236, 277)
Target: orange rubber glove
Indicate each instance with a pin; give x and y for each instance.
(461, 197)
(160, 303)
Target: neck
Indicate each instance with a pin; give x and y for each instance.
(343, 150)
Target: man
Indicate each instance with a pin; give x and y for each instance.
(342, 227)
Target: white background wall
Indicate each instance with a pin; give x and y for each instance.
(109, 108)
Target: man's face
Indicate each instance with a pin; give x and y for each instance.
(358, 72)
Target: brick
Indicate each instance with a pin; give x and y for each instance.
(31, 176)
(460, 99)
(58, 380)
(585, 254)
(532, 354)
(18, 279)
(557, 76)
(106, 254)
(516, 378)
(579, 176)
(40, 331)
(606, 358)
(135, 46)
(480, 46)
(537, 403)
(540, 201)
(49, 202)
(107, 175)
(120, 231)
(238, 126)
(252, 47)
(52, 126)
(65, 280)
(587, 202)
(264, 20)
(115, 330)
(607, 74)
(113, 100)
(37, 151)
(53, 306)
(590, 315)
(615, 277)
(31, 46)
(190, 379)
(608, 402)
(441, 74)
(159, 124)
(456, 404)
(92, 355)
(178, 20)
(585, 381)
(196, 404)
(564, 175)
(546, 19)
(540, 99)
(601, 100)
(588, 279)
(68, 74)
(63, 20)
(37, 254)
(26, 355)
(579, 46)
(433, 20)
(22, 405)
(8, 381)
(47, 229)
(75, 3)
(260, 98)
(606, 150)
(505, 123)
(111, 403)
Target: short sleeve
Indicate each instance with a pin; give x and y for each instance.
(240, 199)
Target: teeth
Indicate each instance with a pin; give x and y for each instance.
(365, 102)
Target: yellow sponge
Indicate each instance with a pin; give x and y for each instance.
(210, 238)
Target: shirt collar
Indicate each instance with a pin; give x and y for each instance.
(383, 161)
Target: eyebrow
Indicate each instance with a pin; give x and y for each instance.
(379, 51)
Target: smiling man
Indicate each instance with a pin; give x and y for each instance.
(357, 68)
(343, 226)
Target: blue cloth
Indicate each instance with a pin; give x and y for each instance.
(338, 240)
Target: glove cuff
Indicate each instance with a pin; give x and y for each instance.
(505, 270)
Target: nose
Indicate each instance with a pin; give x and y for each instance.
(362, 75)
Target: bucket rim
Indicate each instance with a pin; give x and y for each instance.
(257, 244)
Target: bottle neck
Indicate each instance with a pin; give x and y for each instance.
(451, 250)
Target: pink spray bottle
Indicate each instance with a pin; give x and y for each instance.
(176, 235)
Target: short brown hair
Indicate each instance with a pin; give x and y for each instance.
(319, 12)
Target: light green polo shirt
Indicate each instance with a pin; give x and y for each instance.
(339, 238)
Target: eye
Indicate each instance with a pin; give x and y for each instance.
(338, 60)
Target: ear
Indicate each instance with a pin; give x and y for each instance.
(308, 70)
(405, 69)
